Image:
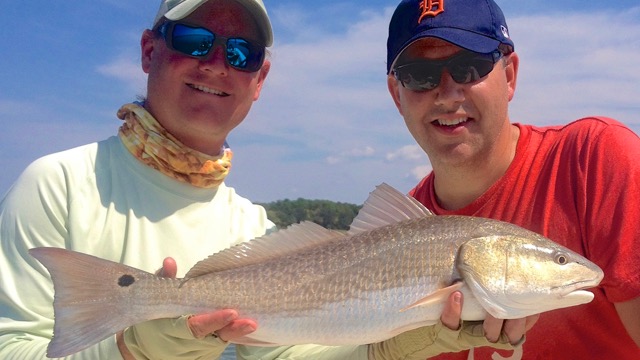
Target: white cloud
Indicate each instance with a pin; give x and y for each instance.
(350, 155)
(35, 130)
(126, 69)
(419, 172)
(332, 93)
(325, 112)
(408, 152)
(574, 65)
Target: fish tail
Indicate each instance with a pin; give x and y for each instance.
(89, 298)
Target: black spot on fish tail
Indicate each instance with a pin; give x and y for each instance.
(126, 280)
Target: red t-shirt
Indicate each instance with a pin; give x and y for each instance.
(578, 185)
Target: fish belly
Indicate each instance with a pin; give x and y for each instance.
(363, 320)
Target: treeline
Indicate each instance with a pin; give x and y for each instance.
(332, 215)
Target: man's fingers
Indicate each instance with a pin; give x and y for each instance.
(236, 329)
(452, 311)
(205, 324)
(531, 320)
(492, 328)
(169, 268)
(514, 329)
(224, 324)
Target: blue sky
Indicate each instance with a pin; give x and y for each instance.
(325, 126)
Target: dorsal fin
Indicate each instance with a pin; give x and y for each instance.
(295, 238)
(384, 206)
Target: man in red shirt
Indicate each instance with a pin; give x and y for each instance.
(452, 71)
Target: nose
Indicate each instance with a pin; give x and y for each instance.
(216, 61)
(448, 91)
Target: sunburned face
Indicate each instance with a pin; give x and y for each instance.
(457, 124)
(201, 101)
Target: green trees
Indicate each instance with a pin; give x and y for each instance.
(332, 215)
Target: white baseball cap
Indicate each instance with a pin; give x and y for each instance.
(179, 9)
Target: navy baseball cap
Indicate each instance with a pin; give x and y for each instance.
(475, 25)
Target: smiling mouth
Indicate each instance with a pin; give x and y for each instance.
(450, 122)
(207, 90)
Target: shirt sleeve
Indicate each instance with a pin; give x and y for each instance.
(611, 199)
(33, 214)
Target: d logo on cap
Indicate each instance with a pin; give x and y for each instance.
(431, 8)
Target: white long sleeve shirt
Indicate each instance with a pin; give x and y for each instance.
(99, 199)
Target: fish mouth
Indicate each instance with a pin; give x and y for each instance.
(577, 288)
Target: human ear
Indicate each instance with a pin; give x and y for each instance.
(147, 45)
(264, 70)
(512, 63)
(394, 89)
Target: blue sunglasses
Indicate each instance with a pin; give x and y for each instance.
(465, 67)
(198, 42)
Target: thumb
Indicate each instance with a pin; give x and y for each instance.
(169, 268)
(452, 313)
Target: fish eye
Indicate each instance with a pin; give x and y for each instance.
(561, 259)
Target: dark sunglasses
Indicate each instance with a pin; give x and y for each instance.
(198, 42)
(464, 68)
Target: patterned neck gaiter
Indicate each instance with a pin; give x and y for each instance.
(150, 143)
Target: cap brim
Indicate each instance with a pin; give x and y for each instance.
(262, 19)
(462, 38)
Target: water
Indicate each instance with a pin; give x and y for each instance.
(229, 353)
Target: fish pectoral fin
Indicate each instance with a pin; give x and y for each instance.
(435, 297)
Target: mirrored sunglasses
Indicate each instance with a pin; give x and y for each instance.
(464, 68)
(199, 42)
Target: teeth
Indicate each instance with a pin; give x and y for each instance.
(451, 122)
(207, 90)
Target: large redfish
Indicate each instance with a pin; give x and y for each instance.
(391, 272)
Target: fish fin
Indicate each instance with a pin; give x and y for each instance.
(384, 206)
(435, 297)
(88, 292)
(295, 238)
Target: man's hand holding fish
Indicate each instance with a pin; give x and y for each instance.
(203, 335)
